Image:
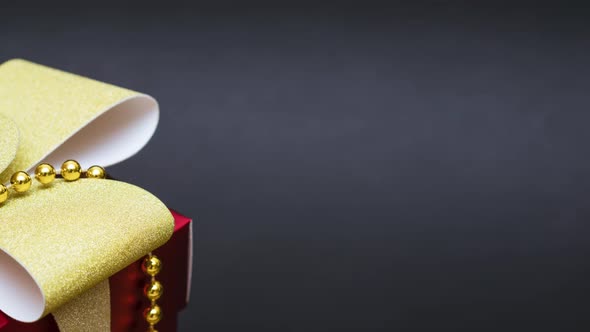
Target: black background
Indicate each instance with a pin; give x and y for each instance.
(355, 168)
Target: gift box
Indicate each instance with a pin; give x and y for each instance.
(127, 286)
(79, 252)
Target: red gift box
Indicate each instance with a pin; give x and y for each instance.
(126, 289)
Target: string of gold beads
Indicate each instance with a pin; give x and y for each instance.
(153, 291)
(70, 170)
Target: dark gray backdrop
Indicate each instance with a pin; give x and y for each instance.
(355, 168)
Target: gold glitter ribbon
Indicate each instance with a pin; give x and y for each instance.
(70, 237)
(49, 106)
(90, 311)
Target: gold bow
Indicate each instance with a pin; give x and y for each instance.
(70, 238)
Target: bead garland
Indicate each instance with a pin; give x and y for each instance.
(153, 291)
(71, 170)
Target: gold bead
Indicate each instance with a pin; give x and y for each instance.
(20, 181)
(3, 193)
(45, 173)
(96, 172)
(152, 265)
(71, 170)
(154, 290)
(153, 314)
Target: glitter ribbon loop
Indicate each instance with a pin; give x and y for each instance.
(62, 116)
(71, 236)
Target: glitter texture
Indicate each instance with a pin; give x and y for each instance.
(48, 106)
(90, 311)
(9, 137)
(71, 236)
